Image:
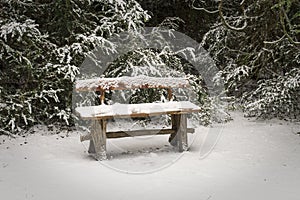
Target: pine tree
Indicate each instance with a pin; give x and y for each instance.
(42, 46)
(256, 46)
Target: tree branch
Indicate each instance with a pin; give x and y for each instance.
(242, 3)
(276, 41)
(226, 23)
(203, 9)
(284, 28)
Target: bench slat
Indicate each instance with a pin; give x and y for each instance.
(124, 83)
(120, 134)
(136, 110)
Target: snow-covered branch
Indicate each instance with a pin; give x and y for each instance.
(203, 9)
(220, 7)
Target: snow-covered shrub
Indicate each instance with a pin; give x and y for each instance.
(42, 46)
(260, 63)
(277, 97)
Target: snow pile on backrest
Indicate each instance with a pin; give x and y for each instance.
(126, 82)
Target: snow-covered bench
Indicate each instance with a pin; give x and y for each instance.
(100, 114)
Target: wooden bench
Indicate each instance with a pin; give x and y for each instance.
(99, 115)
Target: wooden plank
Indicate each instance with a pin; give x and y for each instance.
(136, 110)
(125, 83)
(120, 134)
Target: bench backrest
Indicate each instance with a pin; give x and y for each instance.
(125, 83)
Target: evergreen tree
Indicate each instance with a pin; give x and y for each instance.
(42, 46)
(256, 46)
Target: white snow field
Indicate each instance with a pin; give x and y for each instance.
(255, 160)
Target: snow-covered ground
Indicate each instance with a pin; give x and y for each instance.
(251, 160)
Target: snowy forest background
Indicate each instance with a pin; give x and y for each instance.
(255, 44)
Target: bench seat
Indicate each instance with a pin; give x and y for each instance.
(136, 110)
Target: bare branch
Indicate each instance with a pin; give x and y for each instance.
(292, 40)
(272, 72)
(276, 41)
(286, 18)
(226, 23)
(283, 26)
(242, 3)
(283, 17)
(203, 9)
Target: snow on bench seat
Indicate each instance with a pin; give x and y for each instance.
(125, 82)
(136, 110)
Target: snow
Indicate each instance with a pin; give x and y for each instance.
(127, 82)
(2, 105)
(252, 160)
(129, 109)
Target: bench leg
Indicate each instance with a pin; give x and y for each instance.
(179, 124)
(173, 136)
(92, 147)
(182, 133)
(98, 142)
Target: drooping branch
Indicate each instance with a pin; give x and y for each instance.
(203, 9)
(292, 40)
(219, 10)
(275, 41)
(283, 18)
(227, 25)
